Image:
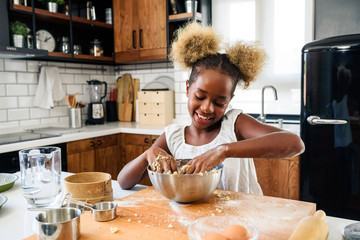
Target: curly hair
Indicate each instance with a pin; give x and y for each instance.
(197, 47)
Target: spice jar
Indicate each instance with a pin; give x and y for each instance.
(96, 48)
(65, 46)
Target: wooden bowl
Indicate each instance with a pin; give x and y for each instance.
(89, 186)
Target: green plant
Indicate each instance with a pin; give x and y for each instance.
(18, 28)
(60, 2)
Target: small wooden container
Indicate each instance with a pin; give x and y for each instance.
(90, 187)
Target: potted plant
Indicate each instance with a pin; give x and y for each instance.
(18, 30)
(52, 4)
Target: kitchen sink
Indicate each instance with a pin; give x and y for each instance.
(54, 130)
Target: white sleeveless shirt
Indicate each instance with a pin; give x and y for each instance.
(238, 174)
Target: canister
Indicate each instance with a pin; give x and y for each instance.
(75, 118)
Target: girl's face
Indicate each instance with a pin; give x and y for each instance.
(208, 97)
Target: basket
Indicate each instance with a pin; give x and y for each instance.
(7, 181)
(90, 187)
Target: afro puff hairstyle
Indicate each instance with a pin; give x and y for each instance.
(197, 47)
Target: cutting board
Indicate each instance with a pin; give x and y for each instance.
(126, 110)
(125, 87)
(148, 215)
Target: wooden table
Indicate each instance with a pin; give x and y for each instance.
(148, 215)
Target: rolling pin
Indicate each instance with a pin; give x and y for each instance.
(311, 228)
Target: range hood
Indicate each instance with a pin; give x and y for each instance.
(14, 52)
(6, 50)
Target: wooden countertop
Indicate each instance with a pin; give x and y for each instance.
(148, 215)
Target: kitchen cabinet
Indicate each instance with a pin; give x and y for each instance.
(74, 25)
(139, 30)
(279, 177)
(144, 29)
(100, 154)
(132, 146)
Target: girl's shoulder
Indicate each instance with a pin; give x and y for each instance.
(231, 115)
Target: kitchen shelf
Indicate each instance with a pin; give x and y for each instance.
(81, 31)
(184, 16)
(89, 57)
(59, 54)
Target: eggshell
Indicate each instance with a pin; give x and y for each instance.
(235, 232)
(213, 236)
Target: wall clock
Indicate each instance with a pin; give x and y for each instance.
(46, 41)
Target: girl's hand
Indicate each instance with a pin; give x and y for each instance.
(206, 161)
(160, 161)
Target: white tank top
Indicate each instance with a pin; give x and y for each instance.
(239, 173)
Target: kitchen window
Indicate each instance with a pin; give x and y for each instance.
(282, 27)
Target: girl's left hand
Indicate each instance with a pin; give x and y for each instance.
(205, 162)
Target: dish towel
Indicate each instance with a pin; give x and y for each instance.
(49, 89)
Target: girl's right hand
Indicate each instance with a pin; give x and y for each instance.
(160, 161)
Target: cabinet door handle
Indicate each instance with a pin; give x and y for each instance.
(140, 38)
(99, 142)
(146, 140)
(133, 39)
(92, 144)
(152, 141)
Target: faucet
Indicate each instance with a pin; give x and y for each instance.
(261, 118)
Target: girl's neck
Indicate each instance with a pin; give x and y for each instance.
(197, 137)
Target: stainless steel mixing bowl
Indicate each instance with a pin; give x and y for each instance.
(185, 187)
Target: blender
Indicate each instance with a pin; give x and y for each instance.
(96, 108)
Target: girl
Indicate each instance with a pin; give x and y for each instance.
(215, 135)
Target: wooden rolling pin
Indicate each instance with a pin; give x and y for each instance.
(311, 228)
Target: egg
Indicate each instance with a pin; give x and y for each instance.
(213, 236)
(235, 232)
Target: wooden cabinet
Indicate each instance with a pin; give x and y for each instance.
(139, 30)
(100, 154)
(74, 25)
(279, 177)
(132, 146)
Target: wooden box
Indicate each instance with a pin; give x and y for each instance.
(156, 107)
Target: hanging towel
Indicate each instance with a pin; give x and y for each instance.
(49, 89)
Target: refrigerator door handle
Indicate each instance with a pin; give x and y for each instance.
(315, 120)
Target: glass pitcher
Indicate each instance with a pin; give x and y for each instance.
(96, 90)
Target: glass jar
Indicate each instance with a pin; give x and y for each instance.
(65, 46)
(96, 48)
(77, 49)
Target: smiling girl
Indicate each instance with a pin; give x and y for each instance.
(217, 134)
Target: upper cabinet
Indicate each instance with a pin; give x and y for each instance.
(144, 29)
(140, 30)
(76, 32)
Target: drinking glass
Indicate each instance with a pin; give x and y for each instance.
(40, 175)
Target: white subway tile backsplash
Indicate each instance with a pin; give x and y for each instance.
(2, 90)
(181, 76)
(72, 89)
(59, 111)
(32, 66)
(183, 87)
(17, 90)
(25, 102)
(184, 109)
(150, 77)
(33, 122)
(15, 65)
(8, 102)
(27, 77)
(7, 77)
(9, 124)
(81, 79)
(32, 89)
(177, 87)
(1, 64)
(3, 115)
(67, 78)
(96, 77)
(49, 120)
(18, 114)
(180, 98)
(39, 113)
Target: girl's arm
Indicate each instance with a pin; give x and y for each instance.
(133, 172)
(255, 140)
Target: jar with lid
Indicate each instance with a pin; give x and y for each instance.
(96, 48)
(65, 46)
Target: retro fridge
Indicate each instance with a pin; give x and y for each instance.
(330, 125)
